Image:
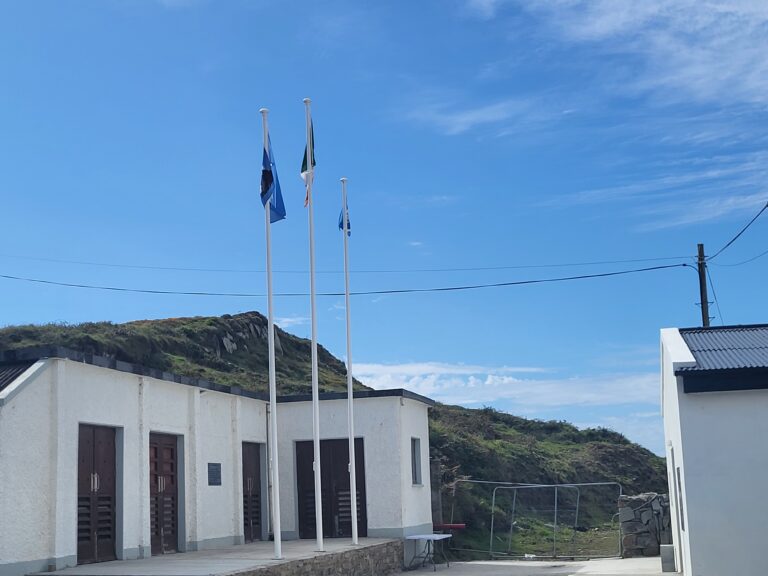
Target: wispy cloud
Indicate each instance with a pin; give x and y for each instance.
(484, 8)
(178, 3)
(694, 211)
(291, 321)
(451, 118)
(701, 49)
(690, 191)
(645, 428)
(481, 385)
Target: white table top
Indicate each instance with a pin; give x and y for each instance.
(428, 537)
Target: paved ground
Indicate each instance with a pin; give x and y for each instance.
(609, 567)
(229, 561)
(214, 562)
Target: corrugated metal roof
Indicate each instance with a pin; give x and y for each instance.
(727, 348)
(9, 372)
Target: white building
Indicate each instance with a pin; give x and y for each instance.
(102, 460)
(715, 406)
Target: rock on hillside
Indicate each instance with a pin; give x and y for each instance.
(230, 350)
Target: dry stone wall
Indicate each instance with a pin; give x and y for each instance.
(379, 560)
(645, 524)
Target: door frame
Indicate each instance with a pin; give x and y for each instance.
(119, 481)
(361, 484)
(181, 483)
(266, 502)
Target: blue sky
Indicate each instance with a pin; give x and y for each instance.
(490, 134)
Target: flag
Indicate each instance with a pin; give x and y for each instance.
(305, 164)
(270, 186)
(341, 222)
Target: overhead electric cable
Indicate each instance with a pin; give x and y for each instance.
(714, 295)
(362, 271)
(744, 261)
(360, 293)
(732, 240)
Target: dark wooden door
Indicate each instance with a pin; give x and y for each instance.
(96, 491)
(251, 491)
(335, 488)
(163, 493)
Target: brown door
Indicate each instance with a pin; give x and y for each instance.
(335, 487)
(96, 494)
(163, 493)
(251, 491)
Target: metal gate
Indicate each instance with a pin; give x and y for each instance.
(537, 520)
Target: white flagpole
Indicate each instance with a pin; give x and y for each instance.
(350, 391)
(315, 385)
(273, 469)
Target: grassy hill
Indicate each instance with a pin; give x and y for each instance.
(465, 443)
(229, 350)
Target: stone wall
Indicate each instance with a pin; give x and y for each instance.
(645, 524)
(379, 560)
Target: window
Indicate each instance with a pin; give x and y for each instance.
(680, 496)
(416, 460)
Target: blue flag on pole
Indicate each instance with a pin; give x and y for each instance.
(270, 186)
(341, 222)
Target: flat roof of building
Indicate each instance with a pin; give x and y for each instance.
(15, 362)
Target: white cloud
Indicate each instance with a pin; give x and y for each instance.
(484, 8)
(291, 321)
(178, 3)
(702, 49)
(689, 191)
(452, 119)
(415, 243)
(645, 428)
(694, 211)
(473, 385)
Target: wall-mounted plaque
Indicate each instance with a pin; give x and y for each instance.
(214, 474)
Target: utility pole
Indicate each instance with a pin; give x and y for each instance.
(702, 266)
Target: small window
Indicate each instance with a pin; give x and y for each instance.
(416, 460)
(680, 496)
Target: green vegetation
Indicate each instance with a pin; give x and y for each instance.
(229, 350)
(481, 444)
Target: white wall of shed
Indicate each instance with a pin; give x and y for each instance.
(386, 425)
(718, 438)
(39, 443)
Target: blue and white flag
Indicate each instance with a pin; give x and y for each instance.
(341, 222)
(270, 186)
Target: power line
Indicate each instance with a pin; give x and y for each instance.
(745, 261)
(360, 293)
(714, 295)
(363, 271)
(732, 240)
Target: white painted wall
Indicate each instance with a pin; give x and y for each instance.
(417, 500)
(39, 418)
(674, 355)
(718, 440)
(38, 494)
(26, 435)
(385, 424)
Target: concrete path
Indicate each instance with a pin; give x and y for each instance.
(219, 562)
(609, 567)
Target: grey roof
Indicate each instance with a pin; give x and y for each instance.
(727, 347)
(9, 372)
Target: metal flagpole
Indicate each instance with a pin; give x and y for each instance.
(273, 469)
(315, 385)
(350, 391)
